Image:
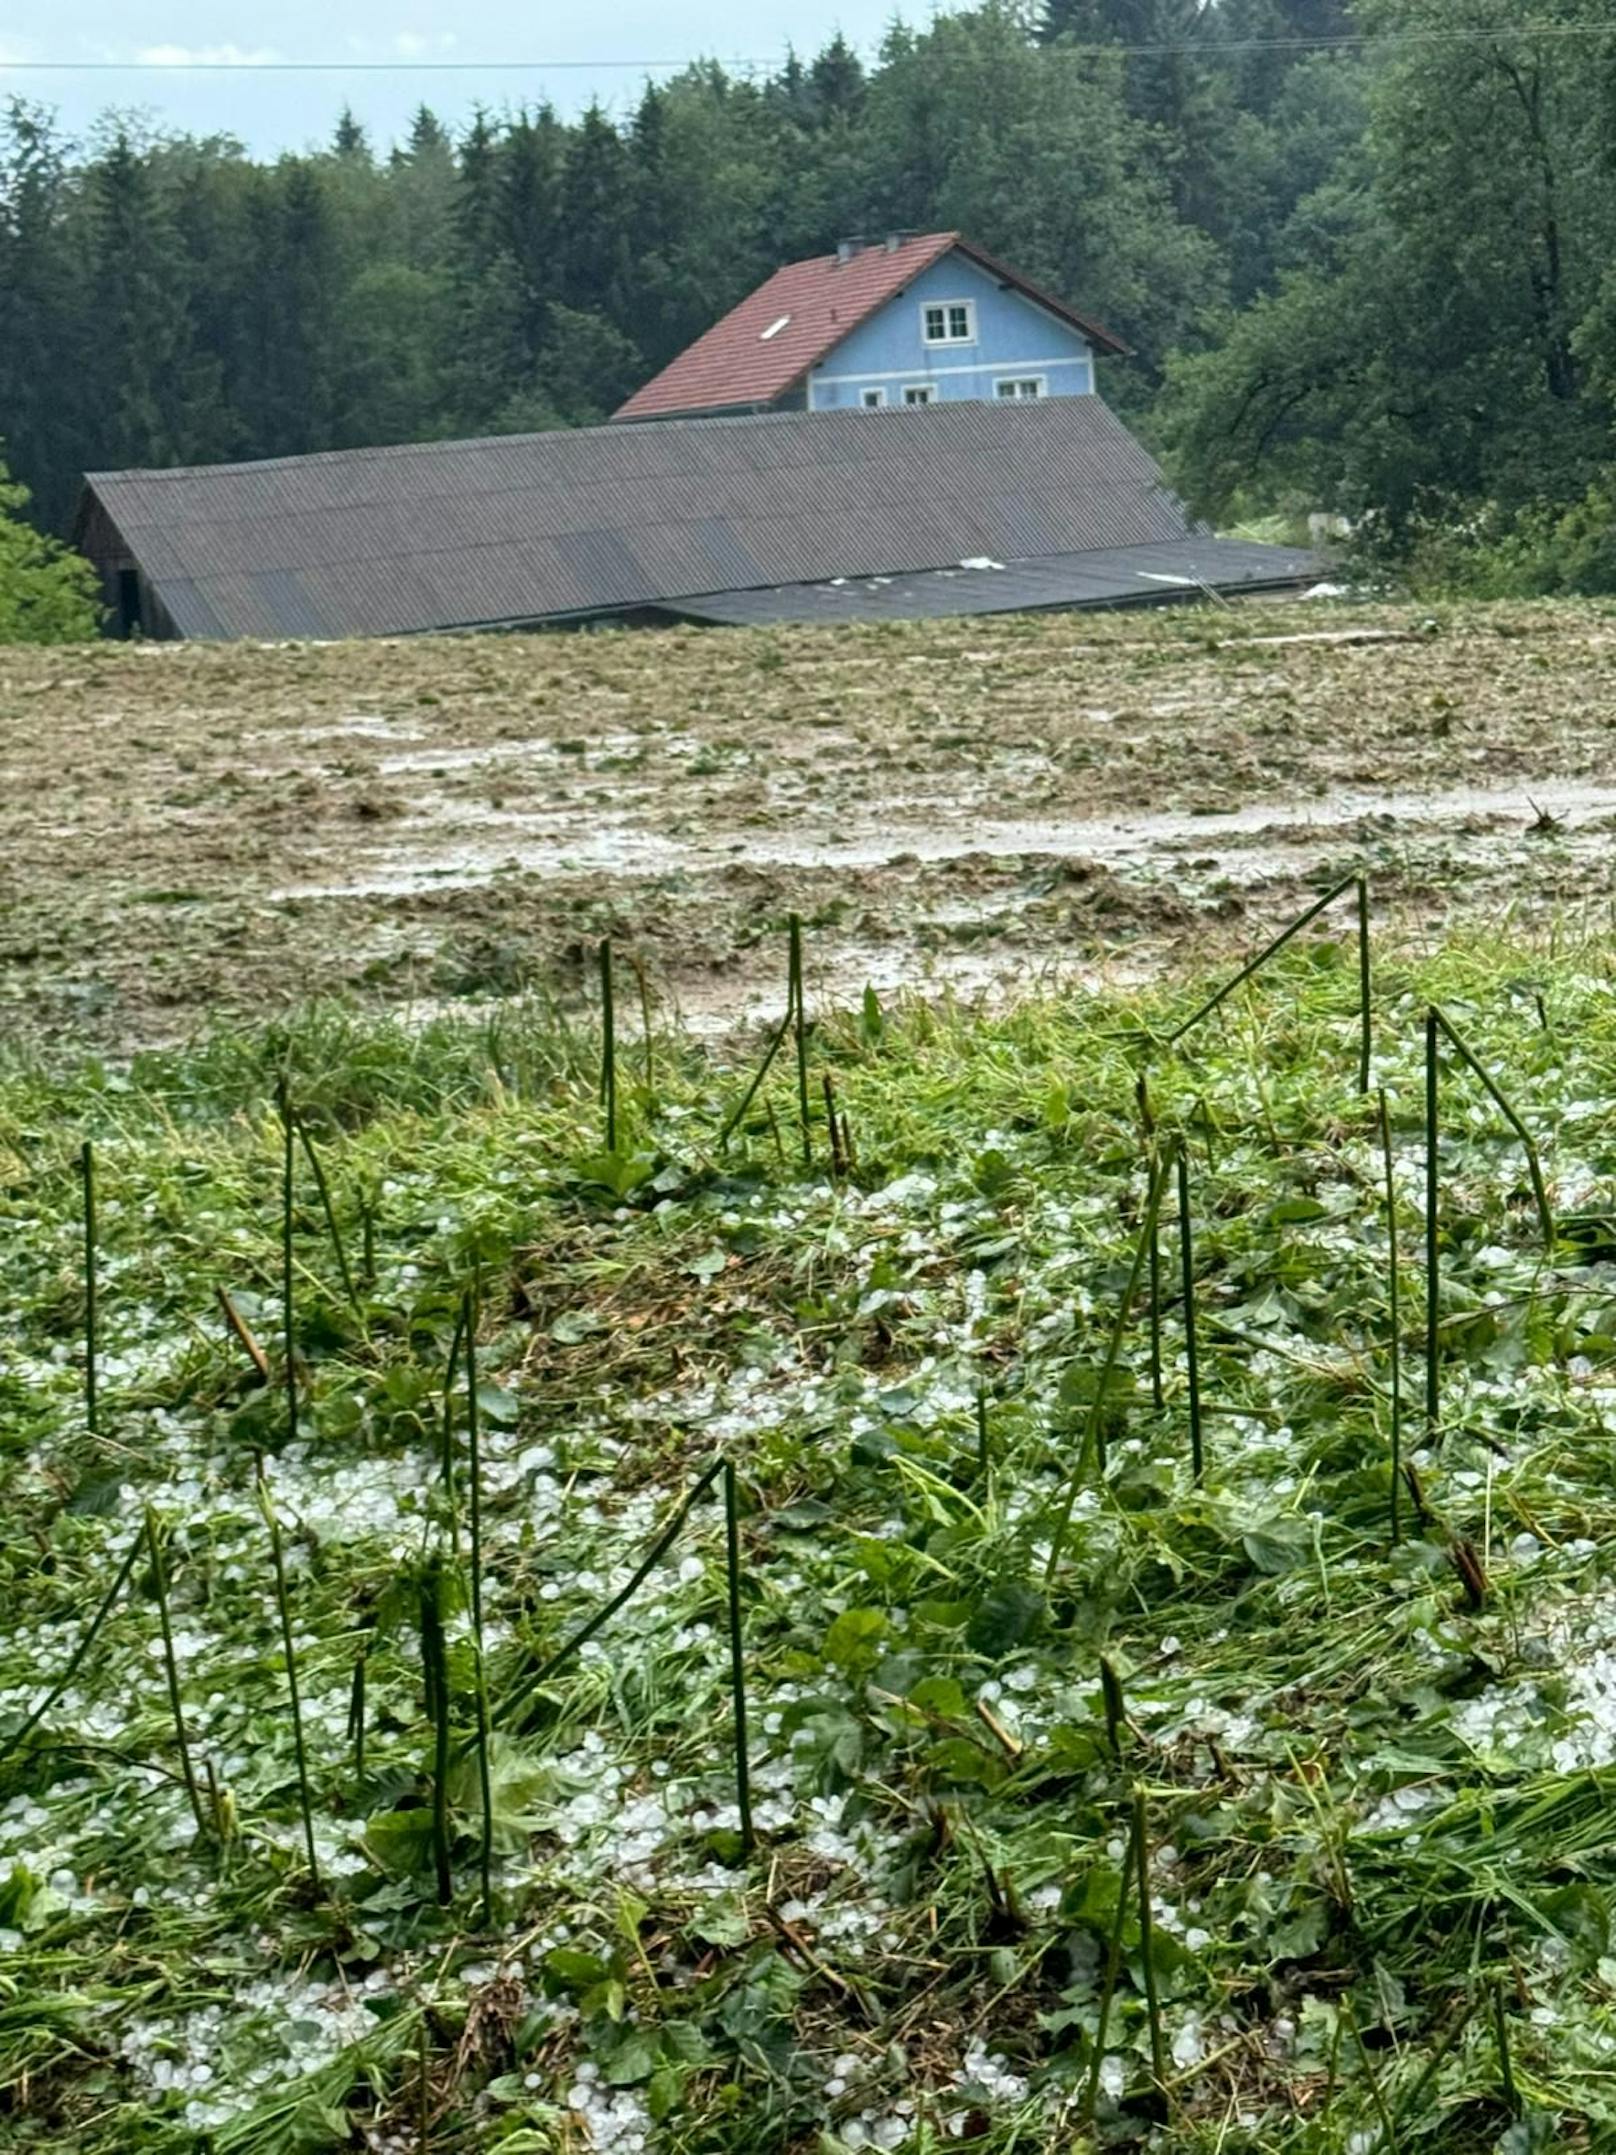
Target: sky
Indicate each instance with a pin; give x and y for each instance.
(399, 40)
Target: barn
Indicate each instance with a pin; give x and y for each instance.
(866, 513)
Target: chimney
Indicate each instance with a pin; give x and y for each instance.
(846, 249)
(894, 240)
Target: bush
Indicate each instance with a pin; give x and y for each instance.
(47, 594)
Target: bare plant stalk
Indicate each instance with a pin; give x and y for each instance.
(1269, 950)
(330, 1211)
(474, 1468)
(608, 1043)
(80, 1653)
(1365, 1018)
(92, 1344)
(1506, 2071)
(154, 1545)
(777, 1041)
(283, 1603)
(435, 1671)
(1433, 1390)
(1394, 1293)
(1116, 1712)
(794, 991)
(1108, 1988)
(1141, 1853)
(647, 1035)
(243, 1334)
(737, 1663)
(288, 1312)
(1186, 1252)
(1495, 1092)
(447, 1455)
(603, 1615)
(356, 1708)
(1092, 1432)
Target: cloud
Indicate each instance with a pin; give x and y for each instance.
(11, 52)
(206, 56)
(413, 45)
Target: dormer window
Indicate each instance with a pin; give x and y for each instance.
(949, 321)
(773, 329)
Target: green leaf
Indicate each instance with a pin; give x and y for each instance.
(853, 1641)
(498, 1406)
(1006, 1616)
(627, 2056)
(872, 1021)
(722, 1922)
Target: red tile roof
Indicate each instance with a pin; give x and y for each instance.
(810, 307)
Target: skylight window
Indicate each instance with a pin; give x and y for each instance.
(774, 329)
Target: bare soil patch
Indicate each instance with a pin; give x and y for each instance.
(188, 831)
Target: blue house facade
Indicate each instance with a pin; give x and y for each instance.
(957, 333)
(916, 318)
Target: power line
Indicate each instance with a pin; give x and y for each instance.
(1207, 48)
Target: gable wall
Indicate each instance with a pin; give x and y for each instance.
(1014, 336)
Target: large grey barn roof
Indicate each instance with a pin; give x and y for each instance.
(521, 528)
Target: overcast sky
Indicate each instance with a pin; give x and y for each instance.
(271, 111)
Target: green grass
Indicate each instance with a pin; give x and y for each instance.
(1379, 1781)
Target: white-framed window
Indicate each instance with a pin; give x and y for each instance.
(1021, 385)
(919, 393)
(872, 399)
(948, 321)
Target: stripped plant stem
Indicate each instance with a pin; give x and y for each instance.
(1116, 1712)
(1147, 1957)
(1433, 1298)
(92, 1344)
(795, 997)
(737, 1663)
(435, 1674)
(647, 1034)
(1495, 1092)
(474, 1472)
(776, 1042)
(80, 1653)
(288, 1313)
(1365, 1016)
(289, 1650)
(1092, 1432)
(311, 1154)
(1394, 1292)
(1113, 1965)
(1186, 1250)
(608, 1043)
(603, 1615)
(244, 1335)
(1269, 950)
(446, 1456)
(171, 1667)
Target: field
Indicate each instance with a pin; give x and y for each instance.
(560, 1601)
(194, 831)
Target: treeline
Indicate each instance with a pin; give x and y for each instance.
(166, 299)
(1363, 256)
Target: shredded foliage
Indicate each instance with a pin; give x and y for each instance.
(1364, 1782)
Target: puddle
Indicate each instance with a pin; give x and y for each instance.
(1263, 836)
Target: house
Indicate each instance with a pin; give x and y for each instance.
(988, 506)
(926, 318)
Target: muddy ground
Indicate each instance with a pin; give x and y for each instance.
(197, 830)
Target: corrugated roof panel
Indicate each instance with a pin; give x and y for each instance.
(519, 527)
(1145, 575)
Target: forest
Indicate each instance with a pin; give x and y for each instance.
(1361, 253)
